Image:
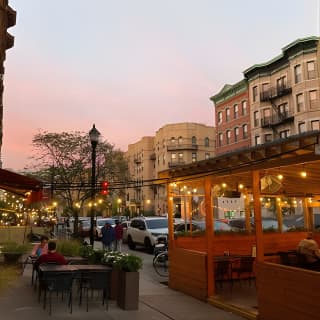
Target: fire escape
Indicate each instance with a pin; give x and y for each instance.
(280, 114)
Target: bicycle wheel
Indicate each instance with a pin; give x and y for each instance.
(161, 264)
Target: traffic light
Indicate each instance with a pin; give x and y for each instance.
(104, 188)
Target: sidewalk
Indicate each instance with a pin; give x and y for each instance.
(156, 302)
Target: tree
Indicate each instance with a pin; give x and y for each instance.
(63, 160)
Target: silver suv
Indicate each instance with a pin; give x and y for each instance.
(146, 231)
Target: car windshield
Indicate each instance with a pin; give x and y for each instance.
(102, 222)
(157, 223)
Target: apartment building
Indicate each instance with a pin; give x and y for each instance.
(7, 20)
(284, 92)
(232, 114)
(173, 145)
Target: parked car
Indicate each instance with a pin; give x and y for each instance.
(84, 227)
(267, 224)
(147, 231)
(100, 223)
(198, 226)
(125, 225)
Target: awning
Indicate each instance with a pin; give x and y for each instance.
(21, 185)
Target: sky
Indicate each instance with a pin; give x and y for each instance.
(133, 66)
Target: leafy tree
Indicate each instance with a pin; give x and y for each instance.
(63, 160)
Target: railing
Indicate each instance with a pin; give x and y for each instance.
(277, 119)
(173, 147)
(275, 92)
(173, 164)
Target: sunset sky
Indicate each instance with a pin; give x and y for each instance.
(132, 66)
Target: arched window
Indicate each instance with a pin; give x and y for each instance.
(206, 142)
(194, 140)
(180, 140)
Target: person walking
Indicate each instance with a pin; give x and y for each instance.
(118, 236)
(108, 236)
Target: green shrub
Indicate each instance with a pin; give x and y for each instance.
(14, 247)
(69, 248)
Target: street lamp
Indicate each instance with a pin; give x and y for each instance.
(94, 138)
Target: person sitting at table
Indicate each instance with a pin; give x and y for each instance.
(52, 256)
(40, 248)
(310, 249)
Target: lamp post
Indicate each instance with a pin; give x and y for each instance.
(94, 138)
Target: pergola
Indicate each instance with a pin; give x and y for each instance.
(286, 157)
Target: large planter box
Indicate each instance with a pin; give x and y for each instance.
(128, 290)
(12, 258)
(114, 283)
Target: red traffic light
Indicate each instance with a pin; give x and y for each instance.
(104, 187)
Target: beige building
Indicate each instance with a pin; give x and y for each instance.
(284, 93)
(173, 145)
(7, 20)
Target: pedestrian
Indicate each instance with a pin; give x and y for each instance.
(118, 235)
(108, 236)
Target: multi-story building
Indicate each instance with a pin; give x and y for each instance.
(232, 114)
(284, 92)
(173, 145)
(7, 19)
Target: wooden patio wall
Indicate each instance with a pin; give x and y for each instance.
(287, 293)
(188, 267)
(188, 272)
(17, 234)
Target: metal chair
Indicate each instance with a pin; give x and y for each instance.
(58, 283)
(95, 281)
(222, 272)
(245, 266)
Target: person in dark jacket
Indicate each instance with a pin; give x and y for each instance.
(108, 236)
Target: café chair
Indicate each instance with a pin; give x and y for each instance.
(244, 267)
(222, 272)
(58, 283)
(94, 282)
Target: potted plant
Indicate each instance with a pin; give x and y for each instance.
(128, 281)
(12, 252)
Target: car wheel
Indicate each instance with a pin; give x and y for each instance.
(148, 245)
(131, 244)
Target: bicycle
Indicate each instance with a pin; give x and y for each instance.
(161, 260)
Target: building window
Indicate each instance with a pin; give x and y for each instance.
(220, 139)
(194, 157)
(257, 140)
(235, 111)
(194, 140)
(281, 83)
(297, 74)
(302, 127)
(219, 117)
(254, 93)
(173, 140)
(207, 156)
(180, 140)
(315, 125)
(228, 136)
(311, 71)
(265, 90)
(313, 99)
(300, 102)
(180, 157)
(244, 108)
(268, 137)
(236, 134)
(284, 134)
(283, 109)
(206, 142)
(245, 131)
(227, 114)
(256, 118)
(173, 157)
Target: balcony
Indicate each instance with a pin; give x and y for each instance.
(275, 92)
(173, 164)
(175, 147)
(152, 156)
(277, 119)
